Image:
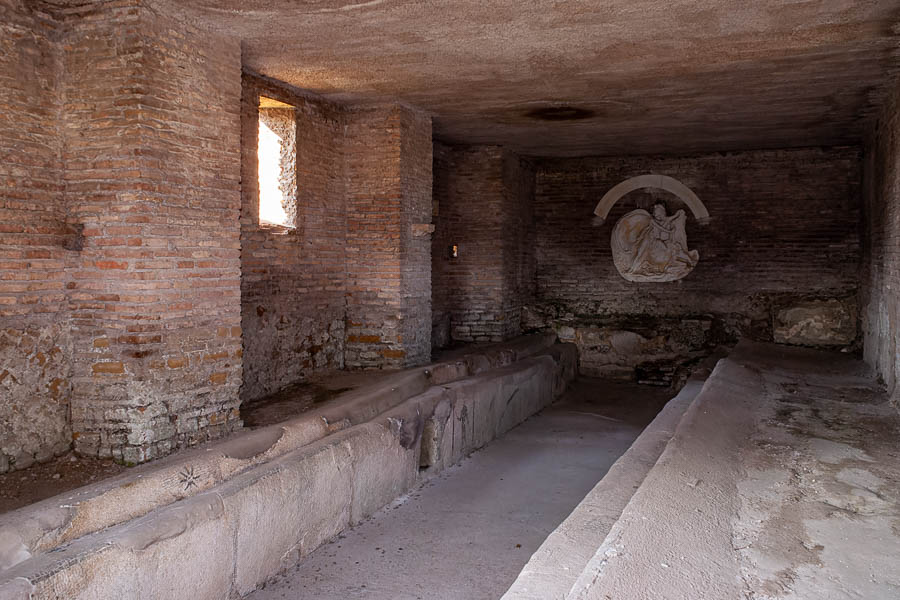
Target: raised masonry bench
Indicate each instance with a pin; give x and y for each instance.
(216, 522)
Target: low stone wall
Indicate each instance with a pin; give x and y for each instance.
(269, 501)
(689, 507)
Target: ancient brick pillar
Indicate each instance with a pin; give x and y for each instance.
(388, 154)
(152, 172)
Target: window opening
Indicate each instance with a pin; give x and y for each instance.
(277, 155)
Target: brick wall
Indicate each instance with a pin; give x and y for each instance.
(880, 293)
(35, 345)
(784, 230)
(441, 241)
(294, 279)
(483, 202)
(416, 162)
(155, 186)
(388, 154)
(518, 240)
(350, 283)
(120, 275)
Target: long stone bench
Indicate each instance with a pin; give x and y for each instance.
(217, 522)
(556, 565)
(778, 481)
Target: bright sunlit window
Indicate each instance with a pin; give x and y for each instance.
(277, 168)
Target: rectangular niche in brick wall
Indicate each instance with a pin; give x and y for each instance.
(277, 171)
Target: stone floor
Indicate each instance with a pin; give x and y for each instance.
(468, 532)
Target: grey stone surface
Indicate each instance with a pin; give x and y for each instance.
(291, 506)
(554, 567)
(383, 468)
(184, 552)
(16, 589)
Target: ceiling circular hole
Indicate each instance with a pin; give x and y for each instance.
(559, 113)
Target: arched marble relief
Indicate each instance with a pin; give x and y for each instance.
(652, 247)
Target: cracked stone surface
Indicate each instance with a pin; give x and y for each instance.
(820, 500)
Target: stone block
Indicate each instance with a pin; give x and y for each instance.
(817, 323)
(288, 508)
(463, 417)
(183, 553)
(382, 468)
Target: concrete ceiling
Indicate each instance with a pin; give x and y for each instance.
(658, 76)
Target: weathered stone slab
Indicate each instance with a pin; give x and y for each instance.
(385, 465)
(817, 323)
(183, 552)
(770, 482)
(289, 508)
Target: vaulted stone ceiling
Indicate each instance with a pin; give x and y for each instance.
(655, 76)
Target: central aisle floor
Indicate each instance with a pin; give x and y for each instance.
(467, 533)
